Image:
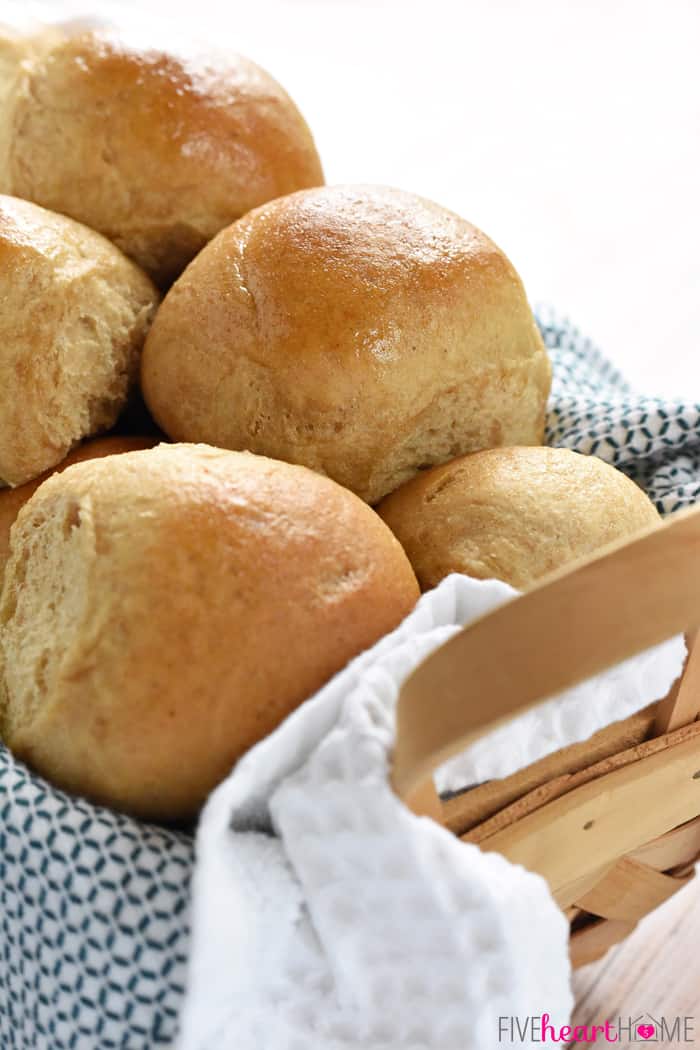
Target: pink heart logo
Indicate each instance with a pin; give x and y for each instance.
(646, 1031)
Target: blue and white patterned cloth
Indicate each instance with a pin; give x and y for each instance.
(94, 906)
(594, 410)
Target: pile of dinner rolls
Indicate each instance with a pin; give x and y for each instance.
(319, 399)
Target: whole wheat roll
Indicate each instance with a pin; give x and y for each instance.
(74, 317)
(147, 137)
(199, 596)
(12, 500)
(513, 514)
(361, 331)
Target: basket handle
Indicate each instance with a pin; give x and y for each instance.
(573, 625)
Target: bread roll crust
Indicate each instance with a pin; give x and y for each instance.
(74, 318)
(158, 149)
(12, 500)
(359, 330)
(513, 514)
(199, 597)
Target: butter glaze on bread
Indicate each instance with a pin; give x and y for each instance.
(12, 500)
(358, 330)
(198, 597)
(74, 316)
(156, 147)
(513, 514)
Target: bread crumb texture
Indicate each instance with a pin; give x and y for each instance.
(13, 499)
(75, 315)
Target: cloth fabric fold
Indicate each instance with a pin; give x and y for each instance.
(357, 924)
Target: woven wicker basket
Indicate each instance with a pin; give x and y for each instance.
(613, 824)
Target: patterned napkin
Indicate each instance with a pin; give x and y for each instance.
(94, 906)
(592, 409)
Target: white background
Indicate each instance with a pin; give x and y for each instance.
(570, 132)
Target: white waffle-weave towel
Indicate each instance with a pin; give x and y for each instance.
(328, 917)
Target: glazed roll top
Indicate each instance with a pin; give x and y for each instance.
(156, 145)
(361, 331)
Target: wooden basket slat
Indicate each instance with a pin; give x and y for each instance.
(568, 895)
(593, 941)
(607, 817)
(629, 597)
(564, 785)
(473, 807)
(613, 824)
(629, 891)
(675, 848)
(682, 705)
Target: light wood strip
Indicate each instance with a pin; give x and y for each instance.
(629, 891)
(570, 893)
(565, 630)
(606, 818)
(682, 705)
(593, 941)
(678, 847)
(470, 808)
(537, 799)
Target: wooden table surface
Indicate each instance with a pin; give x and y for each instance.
(655, 971)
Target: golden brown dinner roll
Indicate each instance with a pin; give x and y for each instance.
(74, 316)
(12, 500)
(513, 514)
(157, 147)
(361, 331)
(199, 596)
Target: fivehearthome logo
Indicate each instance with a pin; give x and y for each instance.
(642, 1030)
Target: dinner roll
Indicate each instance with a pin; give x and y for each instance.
(513, 514)
(74, 317)
(12, 52)
(361, 331)
(199, 596)
(157, 147)
(12, 500)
